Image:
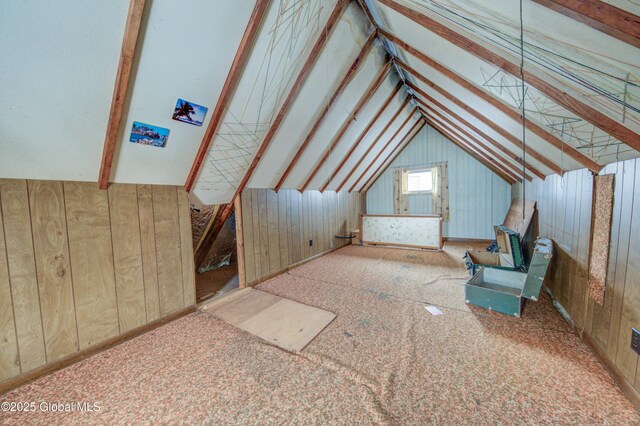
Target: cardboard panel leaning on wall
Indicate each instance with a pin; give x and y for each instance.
(79, 266)
(277, 227)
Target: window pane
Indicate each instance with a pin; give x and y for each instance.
(420, 181)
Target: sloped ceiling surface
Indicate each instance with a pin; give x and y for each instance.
(323, 94)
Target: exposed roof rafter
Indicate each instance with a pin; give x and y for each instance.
(366, 131)
(355, 66)
(433, 114)
(476, 154)
(366, 96)
(508, 110)
(593, 116)
(530, 151)
(601, 16)
(127, 52)
(355, 167)
(239, 62)
(406, 139)
(295, 89)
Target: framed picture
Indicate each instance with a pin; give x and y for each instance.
(188, 112)
(146, 134)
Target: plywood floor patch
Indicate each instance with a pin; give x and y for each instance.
(282, 322)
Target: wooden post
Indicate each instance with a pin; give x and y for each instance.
(240, 243)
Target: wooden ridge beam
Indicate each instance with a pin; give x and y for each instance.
(302, 76)
(355, 66)
(354, 113)
(508, 110)
(366, 130)
(593, 116)
(237, 66)
(406, 139)
(530, 151)
(604, 17)
(450, 124)
(366, 170)
(485, 161)
(127, 52)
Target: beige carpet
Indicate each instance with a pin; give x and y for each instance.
(383, 360)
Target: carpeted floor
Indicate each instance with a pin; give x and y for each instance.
(383, 360)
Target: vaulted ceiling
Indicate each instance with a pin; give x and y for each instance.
(317, 94)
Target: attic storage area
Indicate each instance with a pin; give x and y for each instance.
(320, 211)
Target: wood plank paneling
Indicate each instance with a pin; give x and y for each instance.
(91, 257)
(149, 256)
(79, 266)
(51, 249)
(186, 249)
(127, 256)
(22, 273)
(9, 358)
(564, 214)
(287, 220)
(165, 209)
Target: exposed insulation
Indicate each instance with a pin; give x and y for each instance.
(601, 235)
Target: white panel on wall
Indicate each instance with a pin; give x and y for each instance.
(57, 72)
(478, 198)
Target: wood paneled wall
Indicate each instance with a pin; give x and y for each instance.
(277, 227)
(79, 265)
(564, 209)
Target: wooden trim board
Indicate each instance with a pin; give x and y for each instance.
(30, 376)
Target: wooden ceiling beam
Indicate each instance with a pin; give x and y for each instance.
(474, 143)
(477, 155)
(366, 130)
(366, 96)
(508, 110)
(528, 150)
(451, 124)
(371, 163)
(406, 139)
(127, 52)
(355, 66)
(586, 112)
(237, 66)
(604, 17)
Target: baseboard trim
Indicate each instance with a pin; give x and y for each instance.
(627, 388)
(70, 359)
(294, 265)
(617, 375)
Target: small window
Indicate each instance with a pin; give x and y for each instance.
(419, 181)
